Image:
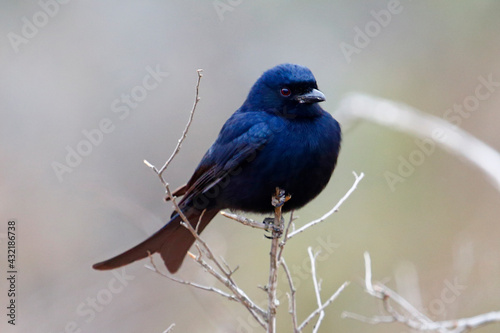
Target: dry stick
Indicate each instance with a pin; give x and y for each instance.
(333, 210)
(184, 133)
(239, 294)
(285, 235)
(466, 324)
(323, 306)
(317, 287)
(291, 297)
(155, 269)
(455, 140)
(170, 328)
(278, 255)
(245, 220)
(186, 129)
(421, 322)
(386, 294)
(290, 224)
(289, 234)
(226, 278)
(277, 229)
(450, 326)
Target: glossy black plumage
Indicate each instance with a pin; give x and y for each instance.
(279, 137)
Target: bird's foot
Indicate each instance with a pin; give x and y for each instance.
(275, 230)
(280, 198)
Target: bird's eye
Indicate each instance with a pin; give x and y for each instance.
(285, 92)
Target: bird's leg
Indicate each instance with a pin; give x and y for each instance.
(279, 198)
(276, 223)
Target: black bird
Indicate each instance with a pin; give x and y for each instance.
(279, 137)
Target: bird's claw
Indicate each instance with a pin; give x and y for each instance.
(280, 197)
(276, 230)
(268, 221)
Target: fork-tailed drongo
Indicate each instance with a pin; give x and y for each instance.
(279, 137)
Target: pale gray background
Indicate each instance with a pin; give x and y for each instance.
(442, 221)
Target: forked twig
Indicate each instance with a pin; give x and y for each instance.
(409, 315)
(333, 210)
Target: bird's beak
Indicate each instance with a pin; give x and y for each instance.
(314, 96)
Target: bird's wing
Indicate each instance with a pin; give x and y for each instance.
(237, 143)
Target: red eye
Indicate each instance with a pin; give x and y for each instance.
(285, 92)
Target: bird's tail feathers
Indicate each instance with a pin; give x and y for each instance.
(172, 242)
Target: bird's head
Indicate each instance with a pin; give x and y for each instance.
(289, 90)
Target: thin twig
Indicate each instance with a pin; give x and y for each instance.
(155, 269)
(183, 136)
(170, 328)
(291, 299)
(412, 317)
(277, 230)
(317, 288)
(225, 278)
(465, 324)
(333, 210)
(384, 293)
(323, 306)
(245, 220)
(285, 235)
(258, 313)
(186, 129)
(369, 320)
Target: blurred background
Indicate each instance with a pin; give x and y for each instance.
(123, 73)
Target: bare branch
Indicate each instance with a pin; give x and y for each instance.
(368, 274)
(409, 315)
(170, 328)
(410, 120)
(258, 313)
(183, 136)
(464, 324)
(155, 269)
(285, 235)
(323, 306)
(226, 277)
(333, 210)
(291, 296)
(245, 221)
(317, 288)
(277, 231)
(186, 129)
(369, 320)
